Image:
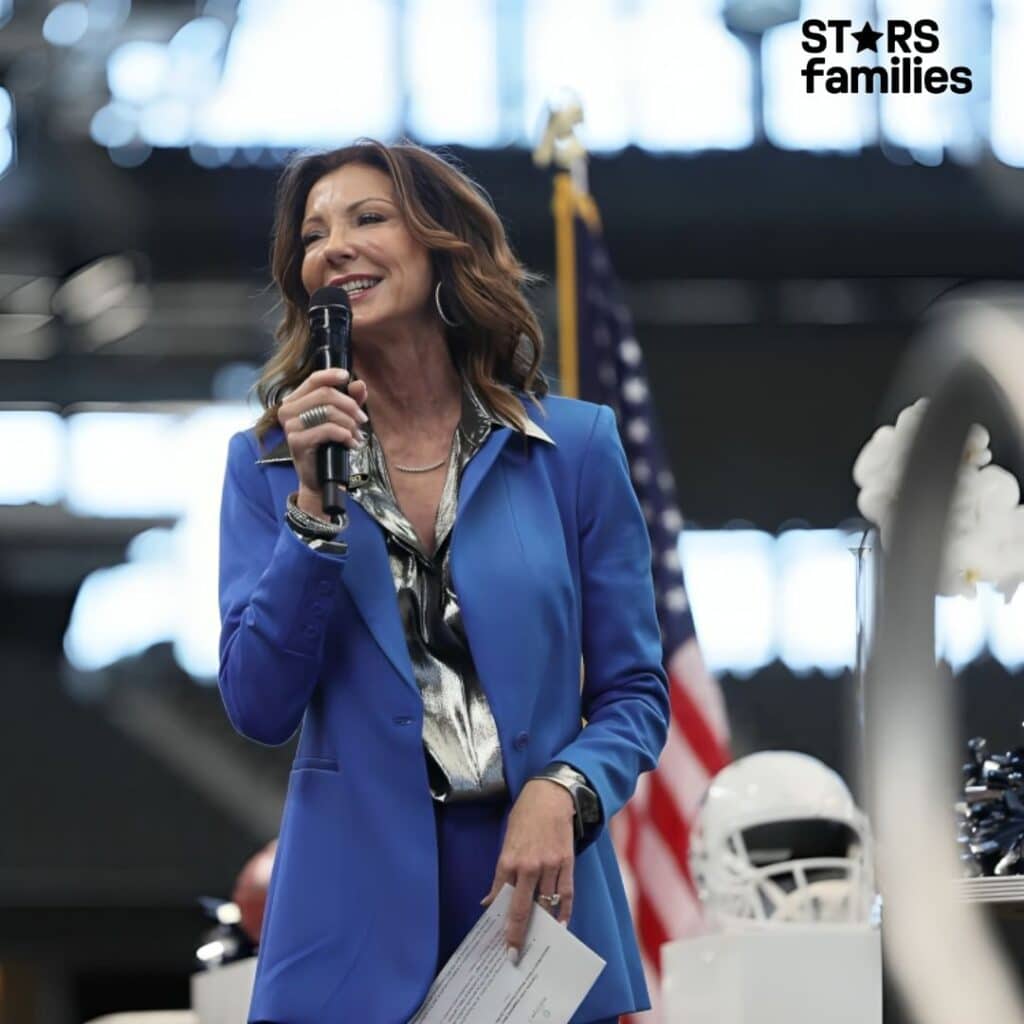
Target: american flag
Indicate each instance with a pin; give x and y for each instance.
(652, 833)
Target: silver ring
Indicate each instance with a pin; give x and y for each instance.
(314, 417)
(552, 901)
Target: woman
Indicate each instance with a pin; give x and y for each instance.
(429, 644)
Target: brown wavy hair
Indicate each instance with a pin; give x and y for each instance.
(498, 344)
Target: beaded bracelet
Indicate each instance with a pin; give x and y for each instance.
(310, 525)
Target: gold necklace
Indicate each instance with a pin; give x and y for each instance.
(427, 469)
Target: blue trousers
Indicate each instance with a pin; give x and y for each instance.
(469, 838)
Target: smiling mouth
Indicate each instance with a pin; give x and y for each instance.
(359, 285)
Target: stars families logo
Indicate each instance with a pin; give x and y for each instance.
(903, 42)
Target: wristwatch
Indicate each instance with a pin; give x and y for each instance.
(584, 799)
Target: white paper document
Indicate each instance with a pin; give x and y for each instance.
(479, 985)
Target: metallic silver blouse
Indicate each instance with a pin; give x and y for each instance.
(459, 731)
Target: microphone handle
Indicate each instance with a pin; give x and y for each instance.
(332, 468)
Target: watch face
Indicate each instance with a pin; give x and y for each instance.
(588, 804)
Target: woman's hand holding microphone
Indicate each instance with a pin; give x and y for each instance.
(344, 415)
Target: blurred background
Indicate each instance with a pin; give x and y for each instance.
(776, 250)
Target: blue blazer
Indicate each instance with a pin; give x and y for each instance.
(551, 560)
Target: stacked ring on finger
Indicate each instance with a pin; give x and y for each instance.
(314, 417)
(552, 901)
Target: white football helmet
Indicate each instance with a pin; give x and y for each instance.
(778, 839)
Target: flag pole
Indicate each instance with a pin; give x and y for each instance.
(563, 208)
(560, 146)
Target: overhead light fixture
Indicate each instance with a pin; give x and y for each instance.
(106, 299)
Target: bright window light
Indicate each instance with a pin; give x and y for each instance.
(796, 119)
(166, 123)
(201, 37)
(6, 108)
(817, 612)
(730, 576)
(578, 44)
(195, 55)
(172, 572)
(126, 464)
(107, 16)
(306, 73)
(66, 24)
(114, 124)
(137, 71)
(691, 82)
(32, 448)
(120, 612)
(1008, 81)
(960, 629)
(444, 64)
(6, 151)
(1006, 630)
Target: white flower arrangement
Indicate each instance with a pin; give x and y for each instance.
(986, 530)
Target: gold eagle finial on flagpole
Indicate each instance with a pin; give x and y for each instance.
(558, 143)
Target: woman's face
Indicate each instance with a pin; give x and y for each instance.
(354, 237)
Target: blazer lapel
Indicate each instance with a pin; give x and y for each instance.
(478, 466)
(367, 577)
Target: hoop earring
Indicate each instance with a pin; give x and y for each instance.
(440, 310)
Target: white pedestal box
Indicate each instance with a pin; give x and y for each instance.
(222, 995)
(795, 974)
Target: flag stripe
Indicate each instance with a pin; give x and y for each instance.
(673, 829)
(695, 728)
(683, 773)
(667, 891)
(649, 928)
(688, 666)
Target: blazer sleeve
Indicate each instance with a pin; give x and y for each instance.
(625, 690)
(276, 597)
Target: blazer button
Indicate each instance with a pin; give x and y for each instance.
(521, 740)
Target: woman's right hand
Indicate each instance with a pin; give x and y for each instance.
(345, 414)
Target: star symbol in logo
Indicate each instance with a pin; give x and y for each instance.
(867, 38)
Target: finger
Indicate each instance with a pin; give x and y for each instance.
(335, 377)
(519, 910)
(547, 886)
(357, 390)
(324, 395)
(346, 401)
(567, 890)
(313, 437)
(336, 406)
(333, 414)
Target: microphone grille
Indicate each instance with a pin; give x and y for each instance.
(329, 296)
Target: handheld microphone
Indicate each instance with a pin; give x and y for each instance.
(330, 329)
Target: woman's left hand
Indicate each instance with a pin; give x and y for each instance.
(537, 857)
